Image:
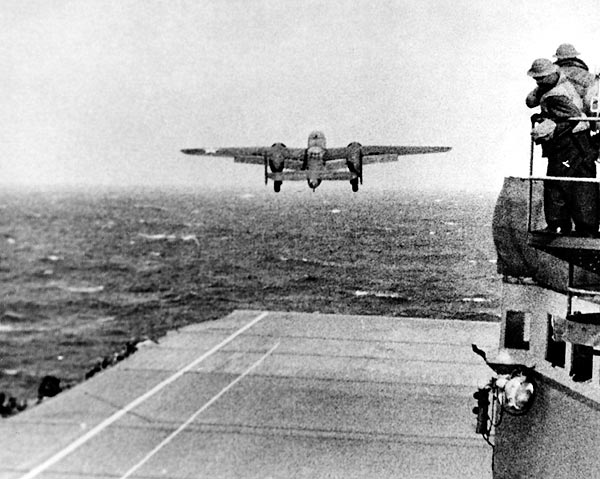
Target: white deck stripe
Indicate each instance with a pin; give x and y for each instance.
(136, 402)
(196, 414)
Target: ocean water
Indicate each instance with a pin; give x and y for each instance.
(82, 272)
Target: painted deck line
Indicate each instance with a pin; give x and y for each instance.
(120, 413)
(171, 436)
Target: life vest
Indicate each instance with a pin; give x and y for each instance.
(577, 72)
(564, 88)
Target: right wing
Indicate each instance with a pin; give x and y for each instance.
(403, 150)
(383, 154)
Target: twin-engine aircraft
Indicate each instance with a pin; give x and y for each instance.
(316, 162)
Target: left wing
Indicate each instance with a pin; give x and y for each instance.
(195, 151)
(251, 154)
(247, 153)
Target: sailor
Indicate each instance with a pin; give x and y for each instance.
(569, 150)
(574, 68)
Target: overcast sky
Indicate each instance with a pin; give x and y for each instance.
(109, 91)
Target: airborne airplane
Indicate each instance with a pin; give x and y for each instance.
(316, 162)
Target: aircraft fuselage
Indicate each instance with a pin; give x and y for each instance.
(315, 165)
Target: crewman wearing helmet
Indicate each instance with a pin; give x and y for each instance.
(574, 68)
(569, 150)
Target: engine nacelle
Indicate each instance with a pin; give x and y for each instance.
(354, 159)
(275, 161)
(276, 157)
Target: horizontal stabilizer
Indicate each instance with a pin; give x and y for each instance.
(370, 159)
(251, 159)
(337, 175)
(302, 175)
(334, 165)
(288, 175)
(293, 164)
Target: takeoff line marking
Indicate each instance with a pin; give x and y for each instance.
(196, 414)
(136, 402)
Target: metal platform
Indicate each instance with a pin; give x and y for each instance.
(582, 252)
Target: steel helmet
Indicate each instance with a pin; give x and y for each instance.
(566, 50)
(542, 67)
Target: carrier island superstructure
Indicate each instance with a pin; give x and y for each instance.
(550, 335)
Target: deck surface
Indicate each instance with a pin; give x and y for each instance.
(270, 395)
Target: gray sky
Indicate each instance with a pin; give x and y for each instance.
(109, 91)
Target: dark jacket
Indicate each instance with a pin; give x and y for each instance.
(572, 62)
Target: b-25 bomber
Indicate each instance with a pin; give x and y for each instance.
(316, 162)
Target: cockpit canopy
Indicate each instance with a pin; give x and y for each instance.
(317, 138)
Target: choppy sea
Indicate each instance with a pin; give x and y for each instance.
(83, 271)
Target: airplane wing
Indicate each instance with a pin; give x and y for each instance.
(194, 151)
(337, 158)
(248, 154)
(381, 154)
(336, 153)
(403, 150)
(234, 151)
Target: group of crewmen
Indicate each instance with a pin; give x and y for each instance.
(566, 89)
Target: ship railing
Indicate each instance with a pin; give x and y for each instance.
(532, 179)
(595, 123)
